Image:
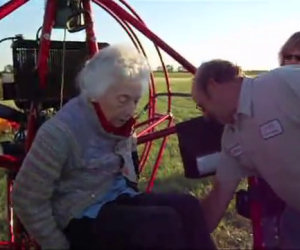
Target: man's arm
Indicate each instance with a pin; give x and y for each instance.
(216, 202)
(228, 176)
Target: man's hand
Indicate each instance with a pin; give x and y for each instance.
(216, 202)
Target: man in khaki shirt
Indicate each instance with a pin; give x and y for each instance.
(261, 135)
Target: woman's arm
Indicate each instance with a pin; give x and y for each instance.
(35, 183)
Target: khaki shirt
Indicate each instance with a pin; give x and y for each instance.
(265, 138)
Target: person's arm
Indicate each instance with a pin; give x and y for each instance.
(216, 202)
(228, 176)
(34, 186)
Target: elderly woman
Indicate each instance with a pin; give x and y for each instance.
(77, 187)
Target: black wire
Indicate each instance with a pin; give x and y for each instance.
(11, 38)
(37, 38)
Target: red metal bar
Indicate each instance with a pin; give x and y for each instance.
(148, 33)
(42, 64)
(157, 163)
(157, 135)
(157, 117)
(8, 207)
(5, 245)
(256, 218)
(32, 126)
(9, 210)
(10, 163)
(153, 125)
(152, 99)
(90, 34)
(10, 6)
(147, 147)
(125, 26)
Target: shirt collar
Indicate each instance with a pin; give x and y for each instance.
(93, 118)
(245, 99)
(125, 130)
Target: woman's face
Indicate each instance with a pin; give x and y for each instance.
(119, 102)
(293, 57)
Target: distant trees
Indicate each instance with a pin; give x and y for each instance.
(171, 68)
(181, 69)
(8, 69)
(7, 74)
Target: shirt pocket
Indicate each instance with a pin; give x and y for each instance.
(238, 152)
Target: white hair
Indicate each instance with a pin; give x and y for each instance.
(115, 64)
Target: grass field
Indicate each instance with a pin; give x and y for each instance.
(234, 232)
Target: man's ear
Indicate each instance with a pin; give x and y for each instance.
(194, 91)
(212, 85)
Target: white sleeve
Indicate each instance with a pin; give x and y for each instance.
(290, 74)
(229, 169)
(208, 164)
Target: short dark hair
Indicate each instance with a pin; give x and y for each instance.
(291, 44)
(218, 70)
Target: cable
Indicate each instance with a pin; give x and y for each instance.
(37, 37)
(19, 36)
(63, 70)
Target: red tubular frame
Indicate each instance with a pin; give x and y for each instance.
(155, 124)
(256, 218)
(159, 134)
(10, 6)
(90, 34)
(49, 19)
(158, 160)
(152, 99)
(124, 15)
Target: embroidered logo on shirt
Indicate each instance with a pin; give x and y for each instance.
(271, 129)
(236, 150)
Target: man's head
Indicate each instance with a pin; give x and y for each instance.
(216, 89)
(116, 78)
(290, 51)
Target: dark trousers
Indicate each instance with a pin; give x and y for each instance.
(146, 221)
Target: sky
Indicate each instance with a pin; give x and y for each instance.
(246, 32)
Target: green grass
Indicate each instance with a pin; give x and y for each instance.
(233, 232)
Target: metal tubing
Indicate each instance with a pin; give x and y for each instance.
(157, 117)
(42, 64)
(256, 218)
(148, 33)
(152, 99)
(90, 34)
(10, 6)
(158, 159)
(157, 135)
(8, 207)
(152, 126)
